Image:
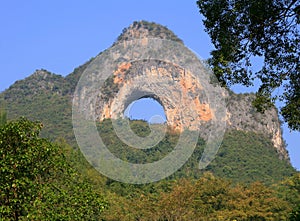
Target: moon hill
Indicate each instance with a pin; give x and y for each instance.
(252, 148)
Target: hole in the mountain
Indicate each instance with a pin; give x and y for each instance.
(146, 109)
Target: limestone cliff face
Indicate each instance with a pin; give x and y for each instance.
(241, 115)
(177, 91)
(134, 80)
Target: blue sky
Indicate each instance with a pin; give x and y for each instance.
(61, 35)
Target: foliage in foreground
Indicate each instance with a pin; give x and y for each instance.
(41, 180)
(206, 198)
(37, 182)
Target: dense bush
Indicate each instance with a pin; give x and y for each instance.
(37, 181)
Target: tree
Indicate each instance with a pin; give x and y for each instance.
(3, 117)
(245, 29)
(289, 190)
(295, 214)
(36, 180)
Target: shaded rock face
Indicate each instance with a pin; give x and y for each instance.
(121, 90)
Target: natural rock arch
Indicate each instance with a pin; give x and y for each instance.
(176, 90)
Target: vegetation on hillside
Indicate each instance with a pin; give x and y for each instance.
(42, 96)
(242, 157)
